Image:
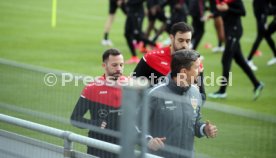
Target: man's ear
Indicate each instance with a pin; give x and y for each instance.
(103, 65)
(183, 70)
(171, 37)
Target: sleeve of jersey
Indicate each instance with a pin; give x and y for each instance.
(103, 94)
(153, 101)
(159, 60)
(142, 68)
(272, 10)
(77, 117)
(199, 126)
(202, 86)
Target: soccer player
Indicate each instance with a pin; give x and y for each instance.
(232, 10)
(218, 23)
(197, 8)
(133, 28)
(179, 11)
(103, 102)
(113, 5)
(155, 12)
(156, 63)
(261, 11)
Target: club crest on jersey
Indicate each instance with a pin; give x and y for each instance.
(102, 113)
(194, 103)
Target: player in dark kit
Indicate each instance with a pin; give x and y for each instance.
(179, 12)
(232, 10)
(133, 27)
(155, 12)
(261, 12)
(113, 5)
(218, 23)
(196, 10)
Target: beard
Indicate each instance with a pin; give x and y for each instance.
(176, 49)
(114, 76)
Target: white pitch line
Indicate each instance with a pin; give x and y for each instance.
(240, 111)
(35, 68)
(209, 105)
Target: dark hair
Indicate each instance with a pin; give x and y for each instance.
(183, 59)
(111, 51)
(181, 27)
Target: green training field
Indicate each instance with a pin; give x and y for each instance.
(74, 45)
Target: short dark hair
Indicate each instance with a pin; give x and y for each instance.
(183, 59)
(181, 27)
(111, 51)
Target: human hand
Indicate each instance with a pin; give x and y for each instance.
(153, 10)
(103, 125)
(178, 6)
(223, 7)
(210, 130)
(119, 3)
(156, 143)
(209, 16)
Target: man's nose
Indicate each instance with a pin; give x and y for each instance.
(119, 68)
(185, 45)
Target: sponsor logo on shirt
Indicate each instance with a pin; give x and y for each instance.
(168, 102)
(103, 92)
(164, 63)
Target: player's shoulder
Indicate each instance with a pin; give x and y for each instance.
(157, 88)
(194, 91)
(157, 53)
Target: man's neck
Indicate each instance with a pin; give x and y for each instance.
(172, 50)
(182, 83)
